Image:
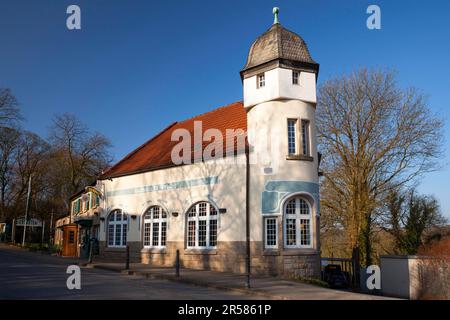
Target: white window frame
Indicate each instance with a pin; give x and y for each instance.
(294, 72)
(208, 218)
(261, 80)
(150, 220)
(298, 216)
(295, 136)
(305, 134)
(266, 245)
(124, 226)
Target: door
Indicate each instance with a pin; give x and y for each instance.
(70, 241)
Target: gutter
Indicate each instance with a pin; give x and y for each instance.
(247, 214)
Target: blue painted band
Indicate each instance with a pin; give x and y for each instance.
(165, 186)
(275, 191)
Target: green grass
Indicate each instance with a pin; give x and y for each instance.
(313, 281)
(40, 247)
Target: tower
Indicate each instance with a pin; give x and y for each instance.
(279, 88)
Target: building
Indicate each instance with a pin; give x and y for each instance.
(162, 198)
(66, 237)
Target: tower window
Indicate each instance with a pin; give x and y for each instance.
(305, 138)
(292, 134)
(295, 77)
(261, 80)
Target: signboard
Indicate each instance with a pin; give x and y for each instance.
(33, 222)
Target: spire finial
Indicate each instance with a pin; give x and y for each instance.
(275, 11)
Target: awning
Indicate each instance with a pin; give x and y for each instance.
(83, 221)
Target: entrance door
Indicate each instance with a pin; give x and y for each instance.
(85, 242)
(70, 241)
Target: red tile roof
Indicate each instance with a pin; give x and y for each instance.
(156, 153)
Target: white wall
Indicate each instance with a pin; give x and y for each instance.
(267, 126)
(400, 276)
(278, 85)
(228, 193)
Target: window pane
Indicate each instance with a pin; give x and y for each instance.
(117, 235)
(71, 236)
(163, 233)
(290, 207)
(271, 232)
(202, 233)
(295, 77)
(212, 210)
(261, 80)
(291, 232)
(147, 234)
(192, 211)
(155, 237)
(305, 137)
(111, 235)
(304, 208)
(124, 234)
(191, 233)
(213, 233)
(291, 136)
(155, 212)
(155, 234)
(202, 209)
(305, 236)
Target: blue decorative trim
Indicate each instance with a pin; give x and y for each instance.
(166, 186)
(274, 191)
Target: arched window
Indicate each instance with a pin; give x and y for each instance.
(155, 227)
(117, 229)
(202, 226)
(297, 224)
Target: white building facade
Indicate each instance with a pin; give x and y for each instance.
(156, 206)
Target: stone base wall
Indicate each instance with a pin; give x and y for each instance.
(119, 254)
(228, 257)
(231, 257)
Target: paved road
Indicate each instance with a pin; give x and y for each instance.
(29, 275)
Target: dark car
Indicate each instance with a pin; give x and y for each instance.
(335, 277)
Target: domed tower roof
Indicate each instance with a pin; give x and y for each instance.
(279, 45)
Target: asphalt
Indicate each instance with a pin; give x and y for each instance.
(261, 286)
(32, 275)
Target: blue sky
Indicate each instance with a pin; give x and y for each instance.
(137, 66)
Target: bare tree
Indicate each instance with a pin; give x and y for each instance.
(9, 139)
(79, 156)
(374, 137)
(9, 109)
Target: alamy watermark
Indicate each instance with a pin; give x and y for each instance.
(74, 280)
(73, 21)
(374, 20)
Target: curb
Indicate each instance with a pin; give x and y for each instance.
(173, 278)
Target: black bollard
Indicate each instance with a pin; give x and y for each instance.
(91, 243)
(177, 264)
(127, 262)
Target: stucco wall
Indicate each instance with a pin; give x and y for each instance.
(176, 190)
(278, 85)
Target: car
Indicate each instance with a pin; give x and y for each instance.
(335, 277)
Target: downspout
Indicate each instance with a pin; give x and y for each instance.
(247, 214)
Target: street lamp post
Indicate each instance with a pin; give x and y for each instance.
(26, 211)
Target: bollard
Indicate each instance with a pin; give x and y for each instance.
(91, 243)
(177, 264)
(127, 262)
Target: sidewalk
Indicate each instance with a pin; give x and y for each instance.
(264, 286)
